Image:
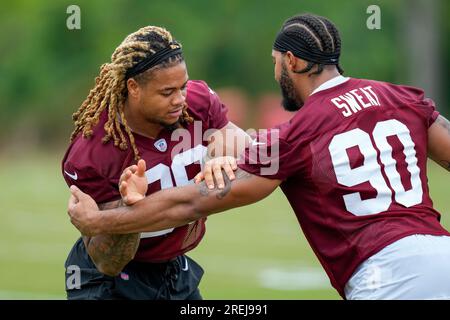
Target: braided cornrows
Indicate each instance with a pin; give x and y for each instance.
(110, 90)
(318, 32)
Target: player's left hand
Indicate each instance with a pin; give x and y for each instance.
(213, 170)
(133, 183)
(83, 211)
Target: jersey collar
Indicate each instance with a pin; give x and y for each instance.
(331, 83)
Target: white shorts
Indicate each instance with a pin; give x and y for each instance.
(412, 268)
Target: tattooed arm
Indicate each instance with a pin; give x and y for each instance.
(170, 207)
(111, 252)
(439, 142)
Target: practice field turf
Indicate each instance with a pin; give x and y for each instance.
(255, 252)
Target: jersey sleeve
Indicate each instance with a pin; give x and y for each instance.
(416, 99)
(206, 104)
(90, 181)
(428, 108)
(271, 156)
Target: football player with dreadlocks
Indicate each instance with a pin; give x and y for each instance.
(140, 101)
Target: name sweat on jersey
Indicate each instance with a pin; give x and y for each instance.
(95, 168)
(353, 163)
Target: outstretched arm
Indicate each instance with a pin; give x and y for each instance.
(169, 208)
(439, 142)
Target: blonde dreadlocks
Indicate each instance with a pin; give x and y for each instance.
(110, 90)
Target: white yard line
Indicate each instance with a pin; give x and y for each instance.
(294, 279)
(269, 273)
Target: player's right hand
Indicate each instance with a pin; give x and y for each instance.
(84, 212)
(213, 170)
(133, 183)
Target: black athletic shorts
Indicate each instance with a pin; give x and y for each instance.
(174, 280)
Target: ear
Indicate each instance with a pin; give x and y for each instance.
(294, 63)
(133, 88)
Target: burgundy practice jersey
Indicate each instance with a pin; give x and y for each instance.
(95, 168)
(353, 164)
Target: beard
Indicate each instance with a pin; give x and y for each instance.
(291, 102)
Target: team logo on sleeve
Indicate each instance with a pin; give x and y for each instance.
(161, 145)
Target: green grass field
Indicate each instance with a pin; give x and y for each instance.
(256, 252)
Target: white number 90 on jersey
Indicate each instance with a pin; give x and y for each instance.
(371, 171)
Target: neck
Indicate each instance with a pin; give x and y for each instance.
(306, 87)
(139, 124)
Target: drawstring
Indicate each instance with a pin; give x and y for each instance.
(170, 278)
(173, 270)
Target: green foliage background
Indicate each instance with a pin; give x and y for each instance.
(47, 70)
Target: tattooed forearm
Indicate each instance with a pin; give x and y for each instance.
(226, 188)
(111, 252)
(221, 193)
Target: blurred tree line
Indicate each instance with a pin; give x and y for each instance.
(46, 70)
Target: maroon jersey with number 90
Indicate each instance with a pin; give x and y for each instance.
(353, 164)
